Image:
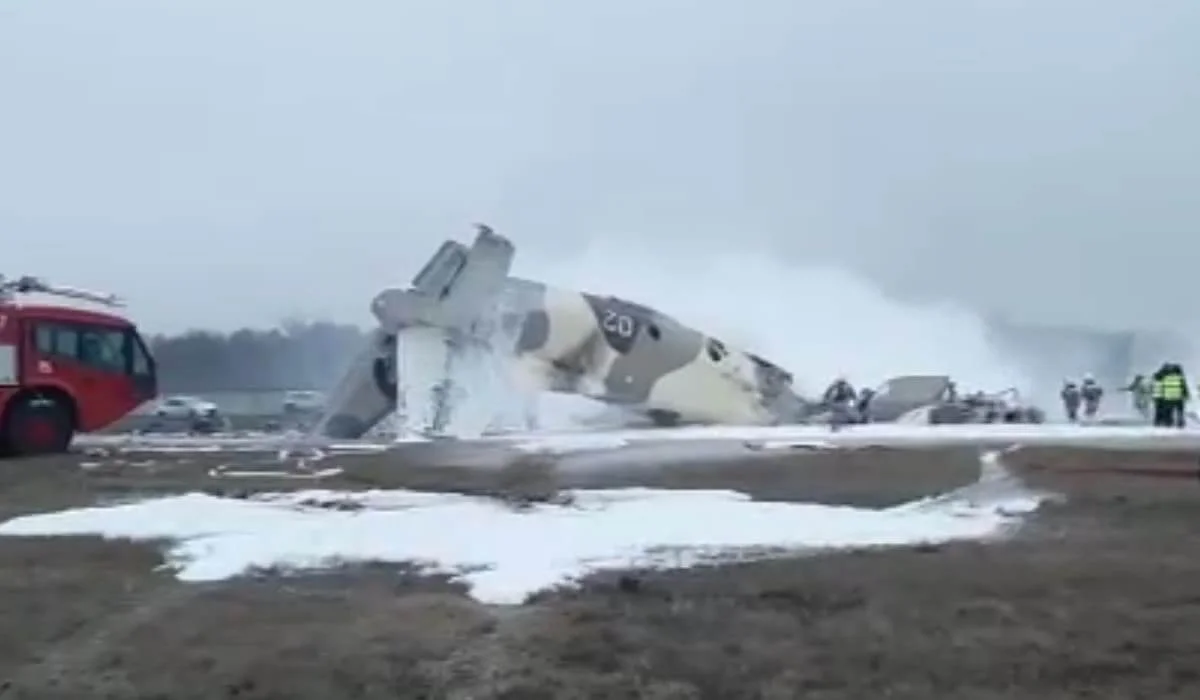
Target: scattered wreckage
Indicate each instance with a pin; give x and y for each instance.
(465, 334)
(931, 400)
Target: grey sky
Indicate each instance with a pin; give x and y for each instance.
(223, 162)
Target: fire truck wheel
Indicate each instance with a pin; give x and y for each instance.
(39, 425)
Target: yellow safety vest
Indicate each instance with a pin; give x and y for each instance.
(1172, 387)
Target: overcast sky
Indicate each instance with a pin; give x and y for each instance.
(223, 162)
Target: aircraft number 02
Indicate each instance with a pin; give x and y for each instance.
(620, 324)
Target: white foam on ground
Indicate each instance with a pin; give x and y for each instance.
(226, 442)
(894, 434)
(759, 437)
(566, 444)
(505, 554)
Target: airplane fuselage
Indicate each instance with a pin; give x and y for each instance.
(550, 339)
(616, 351)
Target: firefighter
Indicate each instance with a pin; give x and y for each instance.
(1174, 396)
(1140, 394)
(1156, 394)
(1071, 398)
(840, 391)
(863, 406)
(1091, 393)
(840, 398)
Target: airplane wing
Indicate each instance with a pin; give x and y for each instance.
(365, 395)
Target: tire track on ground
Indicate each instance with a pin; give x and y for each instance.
(89, 652)
(489, 663)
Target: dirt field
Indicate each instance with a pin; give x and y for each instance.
(1099, 599)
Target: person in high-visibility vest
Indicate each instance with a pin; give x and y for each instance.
(1173, 395)
(1156, 394)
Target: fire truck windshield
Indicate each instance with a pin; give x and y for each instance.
(104, 348)
(140, 363)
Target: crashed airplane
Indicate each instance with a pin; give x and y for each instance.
(464, 323)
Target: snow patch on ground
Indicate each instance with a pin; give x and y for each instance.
(898, 435)
(755, 437)
(506, 554)
(566, 444)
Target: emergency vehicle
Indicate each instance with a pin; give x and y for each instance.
(65, 370)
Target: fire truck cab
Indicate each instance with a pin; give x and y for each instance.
(65, 370)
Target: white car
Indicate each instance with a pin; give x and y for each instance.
(184, 407)
(303, 401)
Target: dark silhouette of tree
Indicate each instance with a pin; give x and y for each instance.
(296, 355)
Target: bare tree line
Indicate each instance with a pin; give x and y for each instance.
(294, 355)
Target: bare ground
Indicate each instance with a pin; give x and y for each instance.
(1099, 599)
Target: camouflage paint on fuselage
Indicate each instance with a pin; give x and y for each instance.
(618, 351)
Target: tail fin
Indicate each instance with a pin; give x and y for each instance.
(428, 334)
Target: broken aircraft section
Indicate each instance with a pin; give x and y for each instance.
(465, 328)
(467, 347)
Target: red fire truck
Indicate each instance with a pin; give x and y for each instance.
(65, 370)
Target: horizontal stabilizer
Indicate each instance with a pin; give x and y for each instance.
(454, 290)
(400, 308)
(435, 278)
